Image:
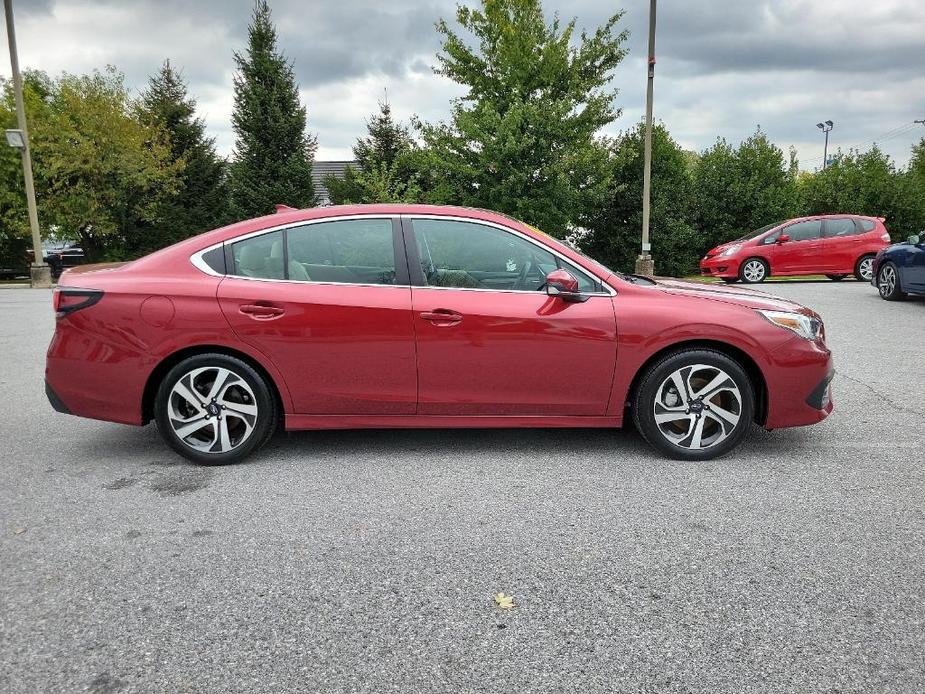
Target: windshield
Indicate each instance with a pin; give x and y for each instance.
(758, 232)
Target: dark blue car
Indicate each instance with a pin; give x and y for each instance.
(900, 269)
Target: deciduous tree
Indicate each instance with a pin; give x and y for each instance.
(522, 138)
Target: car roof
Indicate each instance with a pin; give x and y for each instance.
(166, 257)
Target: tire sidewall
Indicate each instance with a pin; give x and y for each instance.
(764, 264)
(645, 396)
(857, 267)
(897, 292)
(266, 409)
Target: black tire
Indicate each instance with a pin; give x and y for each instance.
(747, 267)
(863, 269)
(244, 388)
(730, 280)
(889, 290)
(656, 379)
(836, 278)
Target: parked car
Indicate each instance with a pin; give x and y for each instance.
(417, 316)
(900, 269)
(60, 255)
(833, 245)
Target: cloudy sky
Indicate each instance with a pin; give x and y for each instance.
(724, 66)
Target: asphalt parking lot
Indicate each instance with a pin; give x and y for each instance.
(367, 561)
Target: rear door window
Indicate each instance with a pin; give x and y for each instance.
(839, 228)
(348, 251)
(260, 257)
(804, 231)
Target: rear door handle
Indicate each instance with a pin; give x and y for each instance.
(442, 316)
(261, 312)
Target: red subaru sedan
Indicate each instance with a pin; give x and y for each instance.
(418, 316)
(832, 245)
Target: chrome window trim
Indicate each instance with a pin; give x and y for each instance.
(200, 264)
(609, 291)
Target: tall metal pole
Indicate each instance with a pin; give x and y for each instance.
(825, 151)
(644, 263)
(39, 271)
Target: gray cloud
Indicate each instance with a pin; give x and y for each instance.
(723, 67)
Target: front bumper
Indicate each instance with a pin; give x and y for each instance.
(799, 381)
(874, 270)
(718, 266)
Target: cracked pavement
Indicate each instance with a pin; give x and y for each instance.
(369, 561)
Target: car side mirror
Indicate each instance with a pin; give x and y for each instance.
(915, 239)
(564, 285)
(783, 238)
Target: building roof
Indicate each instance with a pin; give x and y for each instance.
(321, 170)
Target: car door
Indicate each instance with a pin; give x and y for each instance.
(490, 341)
(913, 272)
(801, 253)
(841, 240)
(329, 303)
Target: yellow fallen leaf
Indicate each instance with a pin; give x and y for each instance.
(505, 602)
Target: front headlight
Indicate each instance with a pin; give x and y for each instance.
(732, 250)
(804, 326)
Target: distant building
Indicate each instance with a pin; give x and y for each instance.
(321, 170)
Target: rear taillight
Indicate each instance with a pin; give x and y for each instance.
(885, 236)
(66, 300)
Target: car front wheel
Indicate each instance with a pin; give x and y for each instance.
(753, 270)
(695, 404)
(214, 409)
(888, 283)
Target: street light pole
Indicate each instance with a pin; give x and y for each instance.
(645, 265)
(39, 272)
(826, 128)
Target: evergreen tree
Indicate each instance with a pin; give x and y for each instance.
(201, 201)
(522, 139)
(273, 152)
(386, 171)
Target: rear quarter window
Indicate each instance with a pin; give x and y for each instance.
(868, 224)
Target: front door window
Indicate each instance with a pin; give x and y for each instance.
(467, 255)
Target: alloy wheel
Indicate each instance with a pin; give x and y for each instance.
(866, 268)
(886, 281)
(697, 407)
(753, 271)
(212, 409)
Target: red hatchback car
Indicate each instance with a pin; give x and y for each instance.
(833, 245)
(417, 316)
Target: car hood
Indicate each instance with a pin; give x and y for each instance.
(740, 296)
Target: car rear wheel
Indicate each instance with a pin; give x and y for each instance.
(888, 283)
(695, 404)
(753, 270)
(836, 278)
(215, 409)
(864, 270)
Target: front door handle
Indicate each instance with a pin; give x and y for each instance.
(442, 316)
(261, 311)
